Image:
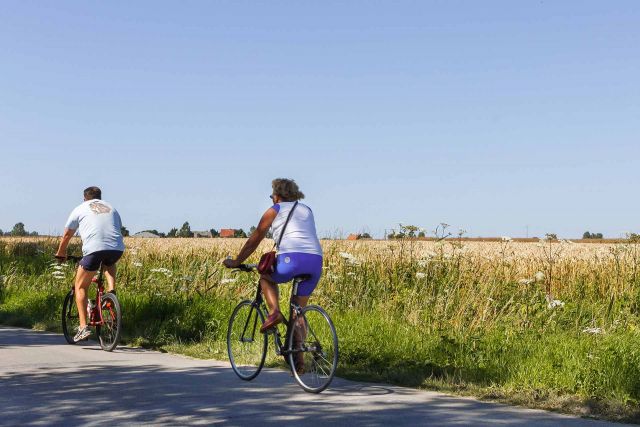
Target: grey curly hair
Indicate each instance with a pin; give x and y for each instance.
(287, 189)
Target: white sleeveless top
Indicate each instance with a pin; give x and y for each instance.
(300, 234)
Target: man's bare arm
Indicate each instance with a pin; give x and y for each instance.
(66, 238)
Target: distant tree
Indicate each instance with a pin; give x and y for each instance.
(173, 232)
(252, 229)
(634, 237)
(214, 232)
(1, 233)
(364, 236)
(124, 231)
(422, 234)
(551, 236)
(185, 231)
(18, 230)
(239, 233)
(33, 233)
(588, 235)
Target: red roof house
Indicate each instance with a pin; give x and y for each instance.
(227, 232)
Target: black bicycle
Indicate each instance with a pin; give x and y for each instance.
(308, 331)
(104, 313)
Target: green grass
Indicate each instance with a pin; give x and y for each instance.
(401, 331)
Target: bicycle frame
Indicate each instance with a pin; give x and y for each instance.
(98, 307)
(258, 301)
(95, 318)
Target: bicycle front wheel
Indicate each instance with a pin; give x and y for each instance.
(247, 347)
(313, 349)
(110, 330)
(70, 318)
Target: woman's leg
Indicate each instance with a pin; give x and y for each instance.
(270, 292)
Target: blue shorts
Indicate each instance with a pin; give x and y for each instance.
(92, 261)
(295, 264)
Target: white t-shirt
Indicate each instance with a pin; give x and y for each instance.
(99, 226)
(300, 235)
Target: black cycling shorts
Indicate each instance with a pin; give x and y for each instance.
(92, 261)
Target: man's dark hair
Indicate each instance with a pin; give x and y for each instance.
(91, 193)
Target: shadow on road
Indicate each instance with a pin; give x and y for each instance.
(164, 389)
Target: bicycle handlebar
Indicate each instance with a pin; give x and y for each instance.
(247, 267)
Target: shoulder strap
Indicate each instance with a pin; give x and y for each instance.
(284, 227)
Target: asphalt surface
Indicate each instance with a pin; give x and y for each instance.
(45, 381)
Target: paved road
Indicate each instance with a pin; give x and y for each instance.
(44, 381)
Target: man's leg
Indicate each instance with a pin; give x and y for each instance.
(83, 280)
(110, 274)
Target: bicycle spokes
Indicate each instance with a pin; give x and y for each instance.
(314, 349)
(246, 346)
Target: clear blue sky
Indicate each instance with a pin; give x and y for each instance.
(489, 116)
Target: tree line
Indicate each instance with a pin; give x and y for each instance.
(185, 231)
(18, 230)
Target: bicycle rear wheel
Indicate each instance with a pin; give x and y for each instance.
(70, 319)
(109, 332)
(314, 337)
(247, 347)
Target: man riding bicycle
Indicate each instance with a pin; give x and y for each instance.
(99, 225)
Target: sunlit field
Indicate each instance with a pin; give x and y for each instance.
(547, 324)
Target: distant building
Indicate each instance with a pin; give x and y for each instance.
(358, 236)
(146, 234)
(202, 234)
(227, 232)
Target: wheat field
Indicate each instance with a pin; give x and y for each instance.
(552, 324)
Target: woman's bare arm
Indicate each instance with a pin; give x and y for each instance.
(254, 240)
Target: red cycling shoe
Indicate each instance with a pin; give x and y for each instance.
(272, 320)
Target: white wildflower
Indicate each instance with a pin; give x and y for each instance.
(187, 278)
(226, 281)
(526, 281)
(58, 267)
(137, 264)
(594, 331)
(349, 258)
(555, 303)
(420, 275)
(164, 271)
(351, 273)
(539, 276)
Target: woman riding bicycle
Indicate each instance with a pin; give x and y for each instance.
(299, 252)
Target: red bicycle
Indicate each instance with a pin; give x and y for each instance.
(104, 314)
